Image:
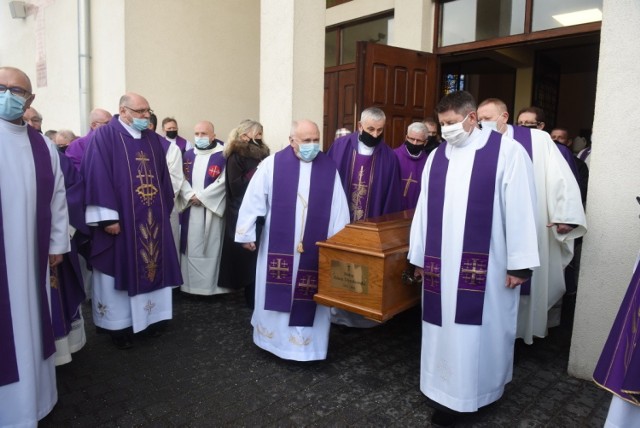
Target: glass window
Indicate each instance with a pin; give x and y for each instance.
(331, 48)
(472, 20)
(375, 31)
(553, 13)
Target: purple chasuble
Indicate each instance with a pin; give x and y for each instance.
(384, 191)
(67, 286)
(215, 167)
(618, 369)
(130, 175)
(44, 193)
(411, 168)
(76, 149)
(282, 242)
(472, 277)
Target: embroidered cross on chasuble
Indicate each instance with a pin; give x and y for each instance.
(361, 178)
(281, 277)
(472, 276)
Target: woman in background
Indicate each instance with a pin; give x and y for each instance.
(244, 150)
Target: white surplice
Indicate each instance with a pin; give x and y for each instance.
(558, 201)
(24, 402)
(622, 414)
(271, 329)
(201, 263)
(465, 367)
(174, 164)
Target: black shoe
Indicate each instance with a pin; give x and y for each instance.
(443, 419)
(122, 341)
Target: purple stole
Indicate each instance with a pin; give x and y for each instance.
(362, 168)
(472, 277)
(181, 143)
(44, 192)
(618, 369)
(214, 169)
(584, 154)
(522, 135)
(282, 242)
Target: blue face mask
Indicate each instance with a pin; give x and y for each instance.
(308, 151)
(140, 124)
(202, 142)
(11, 106)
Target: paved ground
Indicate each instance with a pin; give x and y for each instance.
(206, 372)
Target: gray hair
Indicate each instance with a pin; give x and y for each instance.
(372, 113)
(418, 127)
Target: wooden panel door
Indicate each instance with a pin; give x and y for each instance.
(339, 101)
(402, 82)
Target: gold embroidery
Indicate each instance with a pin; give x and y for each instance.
(146, 190)
(360, 191)
(264, 332)
(150, 246)
(299, 341)
(278, 268)
(308, 285)
(53, 278)
(474, 270)
(432, 275)
(409, 181)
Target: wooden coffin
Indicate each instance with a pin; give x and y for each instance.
(360, 268)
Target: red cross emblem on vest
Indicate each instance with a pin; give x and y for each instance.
(213, 171)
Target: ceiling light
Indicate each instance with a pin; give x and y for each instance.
(579, 17)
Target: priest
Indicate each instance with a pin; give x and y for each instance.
(129, 199)
(560, 220)
(473, 241)
(202, 201)
(618, 369)
(368, 168)
(299, 193)
(412, 156)
(34, 234)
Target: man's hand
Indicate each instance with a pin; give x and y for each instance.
(419, 272)
(113, 229)
(55, 259)
(514, 281)
(251, 246)
(562, 228)
(195, 201)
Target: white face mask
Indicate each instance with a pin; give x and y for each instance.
(489, 124)
(455, 134)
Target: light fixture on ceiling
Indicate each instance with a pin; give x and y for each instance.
(579, 17)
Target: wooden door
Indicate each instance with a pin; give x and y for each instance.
(339, 101)
(402, 82)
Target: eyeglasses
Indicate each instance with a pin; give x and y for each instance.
(529, 124)
(15, 90)
(415, 140)
(140, 111)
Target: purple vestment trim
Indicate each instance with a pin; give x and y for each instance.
(618, 369)
(477, 236)
(431, 300)
(181, 143)
(522, 135)
(361, 178)
(584, 154)
(280, 275)
(44, 193)
(215, 167)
